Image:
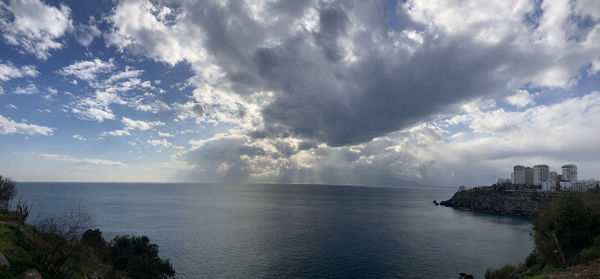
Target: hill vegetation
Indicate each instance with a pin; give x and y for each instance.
(567, 240)
(66, 247)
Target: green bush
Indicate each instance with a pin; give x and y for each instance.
(568, 224)
(506, 272)
(138, 257)
(531, 260)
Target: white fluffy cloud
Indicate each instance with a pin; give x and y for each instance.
(521, 98)
(9, 71)
(112, 87)
(87, 161)
(85, 33)
(87, 70)
(131, 125)
(28, 90)
(34, 26)
(160, 143)
(9, 127)
(96, 107)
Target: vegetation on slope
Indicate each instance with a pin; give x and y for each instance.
(58, 247)
(567, 239)
(499, 200)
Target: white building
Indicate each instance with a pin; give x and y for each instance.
(549, 185)
(569, 173)
(579, 186)
(518, 176)
(565, 185)
(540, 173)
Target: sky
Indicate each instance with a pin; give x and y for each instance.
(291, 91)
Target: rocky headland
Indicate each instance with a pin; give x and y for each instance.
(494, 200)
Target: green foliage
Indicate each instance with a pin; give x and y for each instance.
(139, 258)
(93, 238)
(8, 191)
(506, 272)
(573, 219)
(531, 260)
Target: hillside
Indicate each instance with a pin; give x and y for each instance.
(488, 199)
(55, 249)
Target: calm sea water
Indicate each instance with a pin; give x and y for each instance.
(300, 231)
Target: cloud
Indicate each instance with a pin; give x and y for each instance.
(521, 99)
(96, 107)
(161, 143)
(85, 33)
(9, 71)
(75, 161)
(112, 87)
(165, 135)
(30, 89)
(337, 73)
(429, 152)
(11, 106)
(79, 137)
(10, 127)
(87, 70)
(131, 125)
(34, 26)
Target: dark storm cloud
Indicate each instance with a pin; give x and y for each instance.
(220, 159)
(320, 96)
(345, 72)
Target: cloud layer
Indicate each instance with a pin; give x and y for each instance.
(353, 92)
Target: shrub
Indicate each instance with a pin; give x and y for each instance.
(531, 260)
(8, 191)
(138, 257)
(93, 239)
(506, 272)
(565, 226)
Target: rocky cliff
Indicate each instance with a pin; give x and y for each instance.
(504, 202)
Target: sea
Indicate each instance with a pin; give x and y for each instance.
(293, 230)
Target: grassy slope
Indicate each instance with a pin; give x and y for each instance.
(16, 245)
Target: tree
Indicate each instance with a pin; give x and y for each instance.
(139, 258)
(565, 226)
(8, 191)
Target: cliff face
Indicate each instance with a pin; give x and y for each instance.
(489, 200)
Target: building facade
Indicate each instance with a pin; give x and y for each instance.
(549, 185)
(569, 173)
(518, 175)
(528, 176)
(540, 174)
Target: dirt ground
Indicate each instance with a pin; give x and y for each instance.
(590, 271)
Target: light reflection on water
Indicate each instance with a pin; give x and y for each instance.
(266, 231)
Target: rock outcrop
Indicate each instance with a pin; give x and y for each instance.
(3, 261)
(503, 202)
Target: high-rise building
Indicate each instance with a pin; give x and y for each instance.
(528, 176)
(518, 176)
(540, 173)
(569, 173)
(553, 175)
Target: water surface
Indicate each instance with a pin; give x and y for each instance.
(278, 231)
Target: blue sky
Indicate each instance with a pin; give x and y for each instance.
(297, 91)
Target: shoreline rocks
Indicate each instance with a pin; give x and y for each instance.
(487, 199)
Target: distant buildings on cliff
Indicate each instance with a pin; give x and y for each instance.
(541, 177)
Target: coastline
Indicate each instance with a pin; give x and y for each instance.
(493, 200)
